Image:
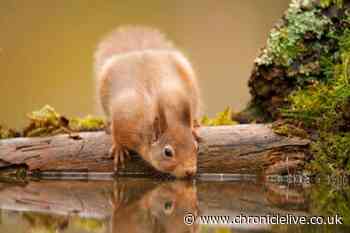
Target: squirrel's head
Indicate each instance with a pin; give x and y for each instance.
(175, 148)
(175, 152)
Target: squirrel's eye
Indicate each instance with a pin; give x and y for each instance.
(168, 151)
(168, 205)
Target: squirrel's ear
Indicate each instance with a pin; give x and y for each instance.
(159, 125)
(185, 72)
(186, 115)
(156, 129)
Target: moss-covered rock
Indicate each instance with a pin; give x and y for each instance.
(301, 51)
(302, 77)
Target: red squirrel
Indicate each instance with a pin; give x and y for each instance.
(150, 95)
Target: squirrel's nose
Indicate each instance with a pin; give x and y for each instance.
(190, 172)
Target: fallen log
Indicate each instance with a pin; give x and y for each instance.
(251, 148)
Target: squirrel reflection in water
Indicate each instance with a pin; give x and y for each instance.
(161, 209)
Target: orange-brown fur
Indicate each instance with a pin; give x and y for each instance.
(149, 91)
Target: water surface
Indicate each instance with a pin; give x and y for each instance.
(145, 205)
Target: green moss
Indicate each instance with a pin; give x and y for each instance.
(321, 103)
(325, 107)
(44, 122)
(285, 128)
(88, 123)
(327, 3)
(47, 122)
(222, 118)
(8, 133)
(331, 153)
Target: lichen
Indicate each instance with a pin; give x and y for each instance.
(222, 118)
(285, 42)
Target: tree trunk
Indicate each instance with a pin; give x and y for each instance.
(253, 149)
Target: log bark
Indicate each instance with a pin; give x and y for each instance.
(251, 148)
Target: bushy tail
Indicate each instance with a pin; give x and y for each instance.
(128, 39)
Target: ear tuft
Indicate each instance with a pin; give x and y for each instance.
(160, 124)
(186, 114)
(156, 130)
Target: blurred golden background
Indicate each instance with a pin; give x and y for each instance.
(46, 48)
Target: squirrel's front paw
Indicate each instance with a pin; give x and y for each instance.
(120, 158)
(112, 152)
